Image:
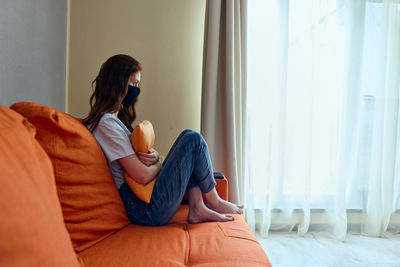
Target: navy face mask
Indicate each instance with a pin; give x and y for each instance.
(130, 98)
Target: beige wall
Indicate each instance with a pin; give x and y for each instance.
(166, 36)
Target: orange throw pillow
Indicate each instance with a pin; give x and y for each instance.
(142, 140)
(143, 137)
(89, 199)
(32, 229)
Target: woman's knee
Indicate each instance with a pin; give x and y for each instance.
(189, 133)
(193, 137)
(186, 131)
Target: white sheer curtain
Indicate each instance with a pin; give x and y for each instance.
(323, 140)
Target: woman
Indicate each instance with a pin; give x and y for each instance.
(187, 166)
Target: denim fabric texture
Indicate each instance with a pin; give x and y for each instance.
(187, 165)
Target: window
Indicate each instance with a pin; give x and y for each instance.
(316, 101)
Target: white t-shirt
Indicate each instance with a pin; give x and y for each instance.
(114, 139)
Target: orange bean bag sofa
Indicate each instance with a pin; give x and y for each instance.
(59, 205)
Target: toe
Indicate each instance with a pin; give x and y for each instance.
(229, 217)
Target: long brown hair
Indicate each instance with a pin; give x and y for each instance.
(110, 87)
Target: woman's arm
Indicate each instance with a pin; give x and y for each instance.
(138, 170)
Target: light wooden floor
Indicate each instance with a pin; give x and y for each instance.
(290, 250)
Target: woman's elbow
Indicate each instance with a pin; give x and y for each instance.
(143, 177)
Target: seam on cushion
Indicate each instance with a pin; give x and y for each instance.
(55, 163)
(187, 244)
(104, 238)
(235, 236)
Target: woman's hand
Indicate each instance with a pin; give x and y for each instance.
(150, 158)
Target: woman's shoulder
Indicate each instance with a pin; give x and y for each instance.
(110, 121)
(109, 118)
(107, 123)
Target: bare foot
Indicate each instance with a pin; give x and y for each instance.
(223, 206)
(200, 213)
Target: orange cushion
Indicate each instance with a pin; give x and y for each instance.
(180, 244)
(140, 246)
(142, 140)
(225, 244)
(222, 188)
(32, 230)
(89, 199)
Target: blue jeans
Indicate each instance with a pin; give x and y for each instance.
(187, 165)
